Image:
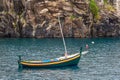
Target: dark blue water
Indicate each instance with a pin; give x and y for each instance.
(101, 63)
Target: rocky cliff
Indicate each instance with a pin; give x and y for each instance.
(39, 19)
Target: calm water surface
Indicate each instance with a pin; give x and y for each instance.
(101, 63)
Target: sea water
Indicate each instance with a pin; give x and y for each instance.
(101, 63)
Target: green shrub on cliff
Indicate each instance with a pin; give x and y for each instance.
(94, 9)
(72, 17)
(105, 1)
(108, 6)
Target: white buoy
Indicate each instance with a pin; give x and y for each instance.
(93, 42)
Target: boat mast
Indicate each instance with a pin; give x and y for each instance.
(62, 37)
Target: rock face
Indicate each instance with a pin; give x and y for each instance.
(109, 27)
(39, 19)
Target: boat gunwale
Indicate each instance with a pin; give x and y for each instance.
(50, 63)
(39, 62)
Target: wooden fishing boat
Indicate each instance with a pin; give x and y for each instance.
(66, 60)
(70, 60)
